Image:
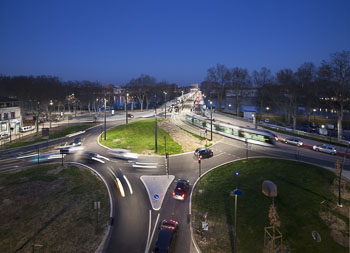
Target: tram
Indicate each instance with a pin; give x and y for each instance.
(259, 137)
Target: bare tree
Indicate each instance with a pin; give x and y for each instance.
(262, 80)
(239, 82)
(218, 77)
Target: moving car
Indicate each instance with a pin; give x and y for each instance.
(181, 189)
(203, 152)
(293, 141)
(77, 141)
(167, 233)
(130, 115)
(325, 148)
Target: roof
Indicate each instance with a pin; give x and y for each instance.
(7, 99)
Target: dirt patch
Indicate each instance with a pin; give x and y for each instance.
(188, 142)
(338, 228)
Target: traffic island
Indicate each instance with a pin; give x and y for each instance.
(52, 208)
(306, 197)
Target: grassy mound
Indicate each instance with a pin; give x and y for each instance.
(301, 189)
(139, 137)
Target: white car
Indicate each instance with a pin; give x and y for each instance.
(325, 148)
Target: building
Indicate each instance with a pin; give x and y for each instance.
(10, 116)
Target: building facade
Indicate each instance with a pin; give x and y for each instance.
(10, 116)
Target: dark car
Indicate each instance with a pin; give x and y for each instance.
(167, 233)
(181, 189)
(130, 115)
(203, 152)
(77, 141)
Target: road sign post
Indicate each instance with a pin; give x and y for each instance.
(199, 166)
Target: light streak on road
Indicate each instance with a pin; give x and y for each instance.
(144, 166)
(127, 181)
(121, 188)
(117, 183)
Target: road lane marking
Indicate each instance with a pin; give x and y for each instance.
(144, 166)
(100, 156)
(147, 163)
(149, 228)
(127, 181)
(96, 159)
(154, 229)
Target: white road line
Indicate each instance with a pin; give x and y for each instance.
(26, 156)
(149, 229)
(100, 156)
(144, 166)
(127, 181)
(154, 229)
(121, 188)
(147, 163)
(96, 159)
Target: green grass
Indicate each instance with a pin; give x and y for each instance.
(301, 188)
(56, 134)
(54, 203)
(139, 136)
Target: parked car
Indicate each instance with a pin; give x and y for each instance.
(3, 136)
(203, 152)
(181, 189)
(293, 141)
(166, 236)
(325, 148)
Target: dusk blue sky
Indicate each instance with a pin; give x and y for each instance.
(177, 41)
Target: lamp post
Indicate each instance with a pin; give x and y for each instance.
(340, 174)
(165, 102)
(105, 119)
(155, 125)
(51, 103)
(37, 119)
(126, 108)
(211, 120)
(236, 192)
(314, 111)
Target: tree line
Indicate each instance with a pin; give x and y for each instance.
(45, 93)
(310, 87)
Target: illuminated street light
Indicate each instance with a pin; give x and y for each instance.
(211, 120)
(165, 103)
(51, 103)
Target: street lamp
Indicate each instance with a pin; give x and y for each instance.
(236, 192)
(51, 103)
(126, 108)
(267, 108)
(314, 111)
(155, 125)
(211, 120)
(105, 118)
(165, 102)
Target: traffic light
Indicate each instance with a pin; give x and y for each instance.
(199, 159)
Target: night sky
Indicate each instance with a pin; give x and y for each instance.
(177, 41)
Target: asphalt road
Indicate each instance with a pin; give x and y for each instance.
(134, 221)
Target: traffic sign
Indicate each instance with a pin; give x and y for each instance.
(156, 196)
(238, 192)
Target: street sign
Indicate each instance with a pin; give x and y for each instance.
(64, 151)
(238, 192)
(204, 225)
(156, 196)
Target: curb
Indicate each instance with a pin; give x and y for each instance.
(194, 185)
(105, 240)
